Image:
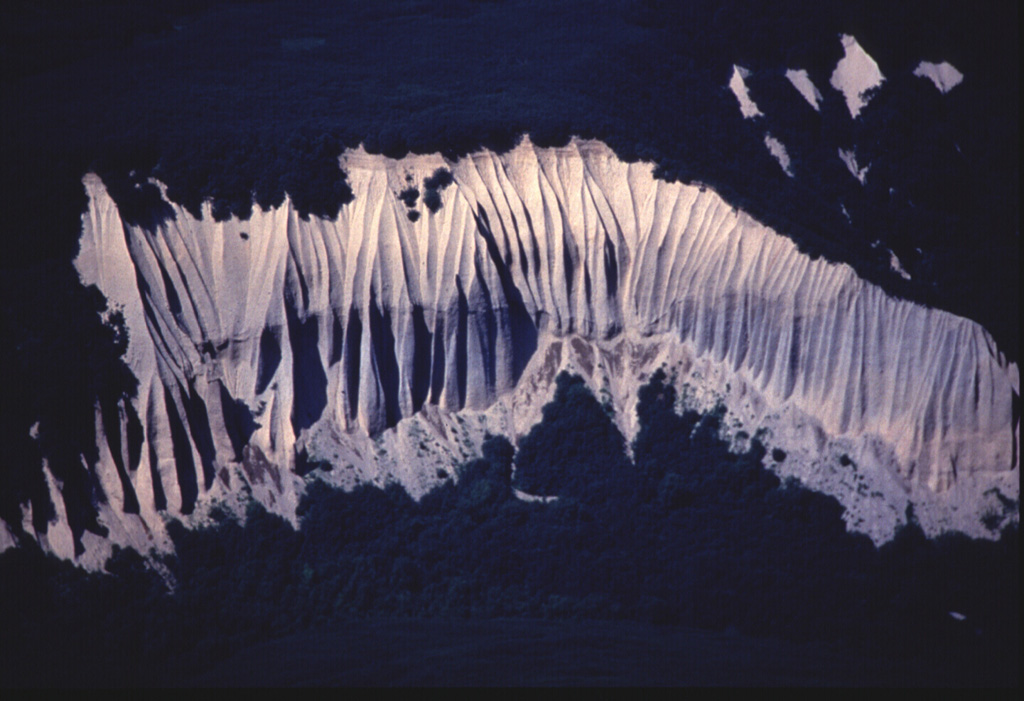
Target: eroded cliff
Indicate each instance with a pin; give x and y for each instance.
(385, 344)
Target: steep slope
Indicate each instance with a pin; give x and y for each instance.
(384, 345)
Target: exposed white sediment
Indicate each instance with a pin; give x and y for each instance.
(388, 347)
(897, 267)
(801, 80)
(856, 76)
(943, 75)
(849, 158)
(738, 85)
(779, 152)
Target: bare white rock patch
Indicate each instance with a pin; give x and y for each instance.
(778, 149)
(739, 88)
(806, 87)
(850, 159)
(944, 75)
(897, 267)
(856, 75)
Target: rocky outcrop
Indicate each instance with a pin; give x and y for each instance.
(381, 346)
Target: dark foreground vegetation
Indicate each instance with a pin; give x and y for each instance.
(684, 535)
(547, 652)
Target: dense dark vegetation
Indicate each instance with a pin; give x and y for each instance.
(687, 533)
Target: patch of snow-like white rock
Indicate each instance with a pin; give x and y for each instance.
(390, 348)
(943, 75)
(801, 80)
(738, 86)
(7, 539)
(856, 76)
(778, 150)
(850, 159)
(533, 498)
(896, 266)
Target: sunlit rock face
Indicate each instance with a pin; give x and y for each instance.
(382, 347)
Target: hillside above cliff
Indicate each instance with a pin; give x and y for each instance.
(235, 102)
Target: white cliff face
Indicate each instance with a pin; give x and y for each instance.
(388, 347)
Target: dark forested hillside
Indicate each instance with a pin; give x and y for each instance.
(687, 534)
